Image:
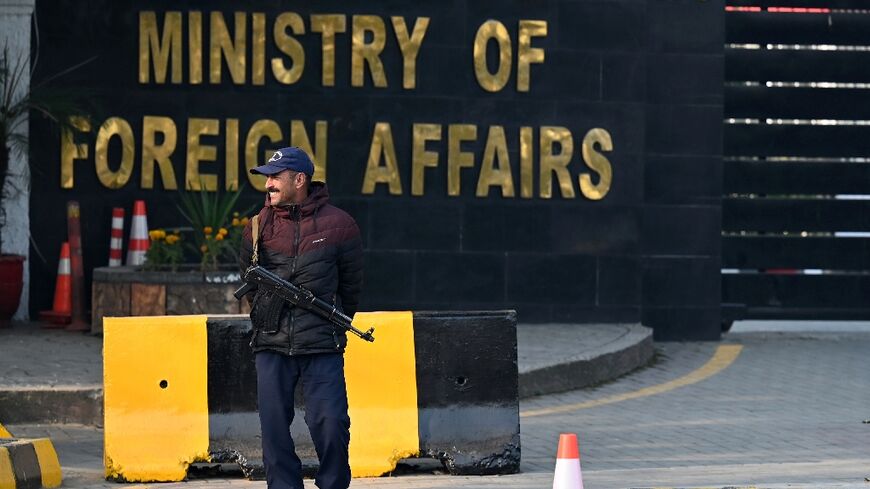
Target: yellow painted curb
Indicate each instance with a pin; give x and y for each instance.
(36, 461)
(7, 474)
(49, 465)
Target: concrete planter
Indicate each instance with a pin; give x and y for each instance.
(131, 291)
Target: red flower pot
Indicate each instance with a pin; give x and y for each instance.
(11, 282)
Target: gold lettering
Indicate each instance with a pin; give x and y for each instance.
(232, 51)
(363, 53)
(231, 180)
(157, 48)
(198, 152)
(263, 128)
(152, 152)
(410, 47)
(597, 162)
(420, 158)
(328, 26)
(382, 145)
(114, 126)
(556, 162)
(290, 46)
(526, 54)
(526, 159)
(194, 45)
(299, 138)
(491, 174)
(70, 151)
(456, 158)
(258, 49)
(492, 29)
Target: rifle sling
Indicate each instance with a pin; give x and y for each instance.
(255, 239)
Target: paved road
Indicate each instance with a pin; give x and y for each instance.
(761, 408)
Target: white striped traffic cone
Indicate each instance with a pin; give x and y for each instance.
(138, 235)
(568, 475)
(117, 240)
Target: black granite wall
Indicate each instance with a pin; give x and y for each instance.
(647, 71)
(681, 251)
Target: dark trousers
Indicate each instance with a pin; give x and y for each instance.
(325, 396)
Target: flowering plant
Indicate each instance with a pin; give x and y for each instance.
(221, 245)
(217, 230)
(164, 249)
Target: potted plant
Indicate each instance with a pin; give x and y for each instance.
(18, 98)
(217, 230)
(188, 270)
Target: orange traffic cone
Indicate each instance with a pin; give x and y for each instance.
(568, 474)
(138, 235)
(61, 312)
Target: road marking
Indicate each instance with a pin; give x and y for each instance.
(724, 356)
(706, 487)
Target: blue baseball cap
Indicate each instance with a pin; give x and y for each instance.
(291, 158)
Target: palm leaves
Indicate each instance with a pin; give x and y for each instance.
(18, 98)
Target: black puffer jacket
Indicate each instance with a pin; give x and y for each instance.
(314, 245)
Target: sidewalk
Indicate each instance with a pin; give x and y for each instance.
(788, 411)
(52, 376)
(52, 386)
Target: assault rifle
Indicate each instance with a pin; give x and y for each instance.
(258, 276)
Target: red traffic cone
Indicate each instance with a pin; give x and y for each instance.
(61, 311)
(117, 240)
(138, 235)
(568, 474)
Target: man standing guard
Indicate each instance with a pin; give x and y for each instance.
(302, 238)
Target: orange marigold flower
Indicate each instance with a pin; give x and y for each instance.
(235, 221)
(223, 231)
(244, 221)
(219, 237)
(207, 230)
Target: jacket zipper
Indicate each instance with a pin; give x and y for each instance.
(297, 214)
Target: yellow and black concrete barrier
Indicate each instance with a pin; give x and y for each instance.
(27, 464)
(182, 389)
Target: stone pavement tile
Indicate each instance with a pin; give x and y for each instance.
(544, 345)
(39, 357)
(782, 401)
(35, 356)
(788, 410)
